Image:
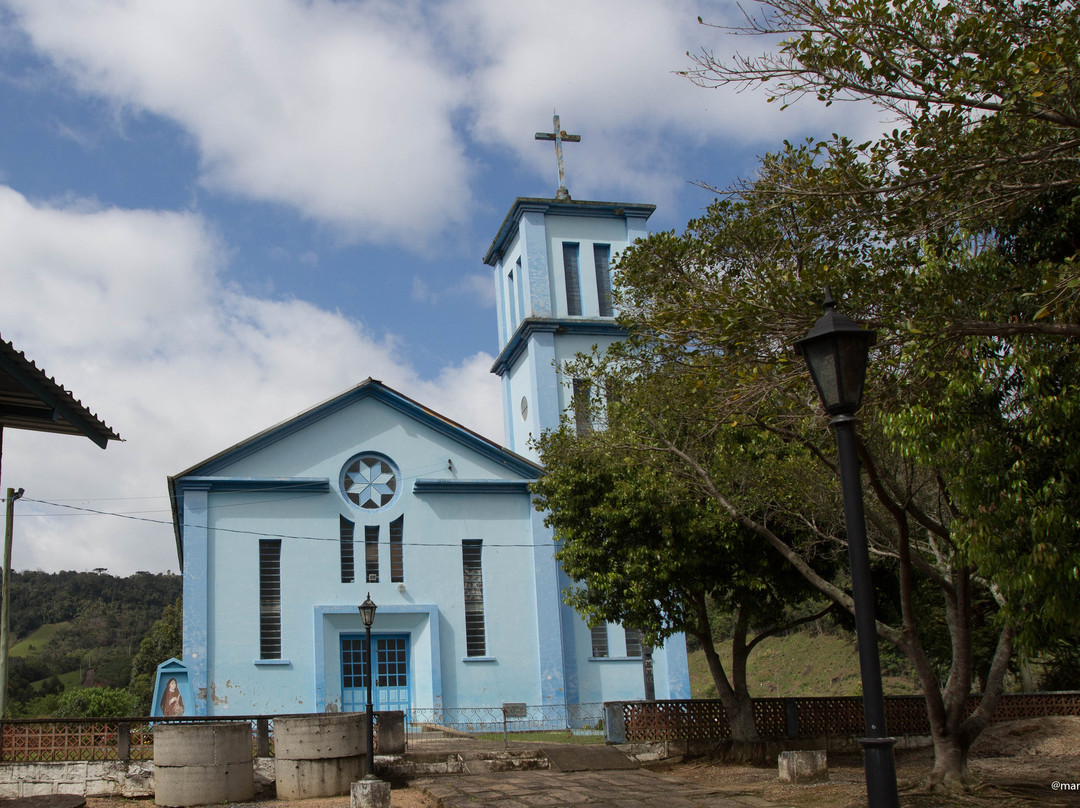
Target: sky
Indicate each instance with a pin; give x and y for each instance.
(216, 214)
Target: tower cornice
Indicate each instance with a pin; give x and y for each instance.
(563, 326)
(558, 207)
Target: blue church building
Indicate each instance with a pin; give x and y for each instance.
(283, 535)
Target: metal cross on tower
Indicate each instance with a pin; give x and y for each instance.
(559, 135)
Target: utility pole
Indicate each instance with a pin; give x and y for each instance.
(5, 621)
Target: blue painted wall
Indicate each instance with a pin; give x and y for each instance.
(452, 485)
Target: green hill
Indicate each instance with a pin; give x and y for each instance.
(804, 663)
(34, 642)
(71, 628)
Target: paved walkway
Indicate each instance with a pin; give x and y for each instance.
(552, 789)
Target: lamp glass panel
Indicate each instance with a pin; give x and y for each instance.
(367, 612)
(821, 358)
(852, 354)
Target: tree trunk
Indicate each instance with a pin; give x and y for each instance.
(950, 772)
(745, 743)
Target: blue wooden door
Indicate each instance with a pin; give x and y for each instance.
(391, 669)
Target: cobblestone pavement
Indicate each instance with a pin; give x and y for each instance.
(548, 789)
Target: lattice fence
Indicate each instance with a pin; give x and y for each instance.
(58, 740)
(776, 718)
(664, 720)
(32, 742)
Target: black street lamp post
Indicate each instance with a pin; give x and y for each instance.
(836, 351)
(367, 614)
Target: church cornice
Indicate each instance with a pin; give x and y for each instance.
(234, 484)
(570, 326)
(558, 207)
(434, 486)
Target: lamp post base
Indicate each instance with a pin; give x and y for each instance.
(369, 793)
(880, 772)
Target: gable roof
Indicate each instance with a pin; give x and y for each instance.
(369, 388)
(31, 399)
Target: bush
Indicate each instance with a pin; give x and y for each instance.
(39, 707)
(96, 702)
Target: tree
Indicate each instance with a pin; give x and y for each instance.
(943, 430)
(954, 236)
(163, 642)
(95, 702)
(647, 551)
(985, 94)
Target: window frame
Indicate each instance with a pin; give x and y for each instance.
(371, 554)
(571, 254)
(472, 571)
(270, 639)
(602, 266)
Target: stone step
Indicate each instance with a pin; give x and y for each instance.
(425, 764)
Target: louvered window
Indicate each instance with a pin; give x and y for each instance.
(573, 278)
(599, 641)
(511, 309)
(475, 642)
(348, 563)
(397, 560)
(270, 598)
(633, 642)
(582, 406)
(602, 262)
(371, 553)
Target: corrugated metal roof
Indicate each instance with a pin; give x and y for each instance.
(30, 399)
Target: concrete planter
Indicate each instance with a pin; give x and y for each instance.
(200, 764)
(319, 755)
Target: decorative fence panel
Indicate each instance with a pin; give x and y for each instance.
(811, 717)
(68, 739)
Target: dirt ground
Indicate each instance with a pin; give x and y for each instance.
(1017, 764)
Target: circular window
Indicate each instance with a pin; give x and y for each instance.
(524, 408)
(369, 481)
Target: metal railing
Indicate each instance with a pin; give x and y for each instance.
(433, 724)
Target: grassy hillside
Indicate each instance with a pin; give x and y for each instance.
(806, 663)
(32, 644)
(71, 628)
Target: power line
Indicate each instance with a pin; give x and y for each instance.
(93, 511)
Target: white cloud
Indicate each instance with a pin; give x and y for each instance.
(342, 111)
(610, 68)
(356, 114)
(127, 309)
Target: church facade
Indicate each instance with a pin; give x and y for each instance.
(282, 536)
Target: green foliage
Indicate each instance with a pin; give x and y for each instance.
(163, 642)
(1062, 670)
(96, 702)
(43, 706)
(133, 603)
(955, 238)
(81, 628)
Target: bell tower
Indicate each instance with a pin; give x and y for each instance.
(552, 260)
